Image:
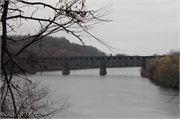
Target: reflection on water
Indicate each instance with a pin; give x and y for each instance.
(122, 93)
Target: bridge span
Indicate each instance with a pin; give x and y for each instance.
(96, 61)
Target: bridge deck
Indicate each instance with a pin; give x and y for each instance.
(95, 61)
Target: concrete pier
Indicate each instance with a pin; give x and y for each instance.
(103, 70)
(65, 70)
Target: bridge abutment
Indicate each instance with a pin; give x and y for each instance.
(65, 70)
(103, 70)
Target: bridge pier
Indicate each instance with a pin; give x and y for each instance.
(143, 63)
(65, 70)
(103, 70)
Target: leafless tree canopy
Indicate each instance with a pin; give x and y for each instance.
(70, 16)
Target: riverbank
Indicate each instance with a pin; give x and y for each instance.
(144, 73)
(163, 71)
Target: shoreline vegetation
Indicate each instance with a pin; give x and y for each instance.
(163, 71)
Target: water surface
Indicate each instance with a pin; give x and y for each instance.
(122, 93)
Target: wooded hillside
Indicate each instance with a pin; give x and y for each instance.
(54, 47)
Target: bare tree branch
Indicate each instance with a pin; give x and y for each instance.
(20, 97)
(173, 97)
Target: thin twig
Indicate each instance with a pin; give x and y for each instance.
(173, 97)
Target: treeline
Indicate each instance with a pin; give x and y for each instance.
(47, 47)
(165, 70)
(53, 47)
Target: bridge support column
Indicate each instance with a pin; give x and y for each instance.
(143, 63)
(143, 67)
(65, 70)
(103, 70)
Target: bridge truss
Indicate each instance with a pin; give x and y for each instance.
(95, 61)
(87, 62)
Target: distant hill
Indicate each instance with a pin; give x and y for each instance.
(54, 47)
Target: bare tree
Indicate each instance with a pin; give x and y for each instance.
(70, 16)
(32, 100)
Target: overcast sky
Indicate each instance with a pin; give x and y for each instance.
(139, 27)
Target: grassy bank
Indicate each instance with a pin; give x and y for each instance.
(164, 71)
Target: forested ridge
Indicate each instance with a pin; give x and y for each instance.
(54, 47)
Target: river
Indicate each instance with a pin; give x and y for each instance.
(121, 94)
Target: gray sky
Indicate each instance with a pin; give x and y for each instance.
(139, 27)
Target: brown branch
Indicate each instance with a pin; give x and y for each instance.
(65, 19)
(15, 62)
(15, 9)
(24, 17)
(39, 19)
(102, 42)
(12, 95)
(38, 3)
(4, 28)
(47, 5)
(34, 11)
(16, 40)
(173, 97)
(36, 38)
(3, 100)
(4, 49)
